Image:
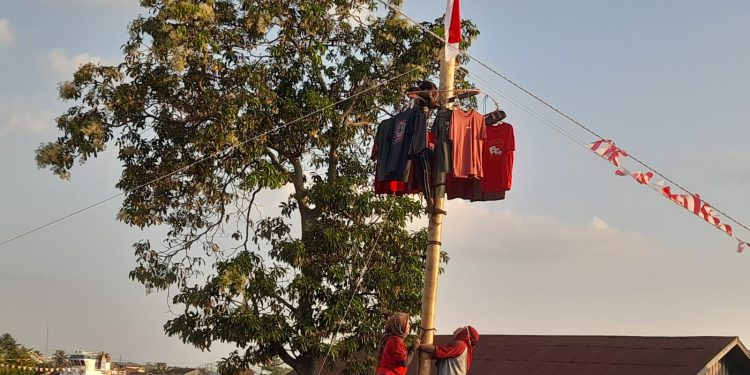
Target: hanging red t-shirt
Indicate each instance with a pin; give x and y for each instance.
(497, 168)
(497, 158)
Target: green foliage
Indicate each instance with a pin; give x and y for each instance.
(194, 107)
(274, 367)
(13, 353)
(60, 359)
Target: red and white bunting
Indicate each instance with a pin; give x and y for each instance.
(691, 202)
(608, 150)
(741, 246)
(452, 22)
(640, 177)
(39, 369)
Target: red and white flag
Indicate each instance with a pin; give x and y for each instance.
(608, 150)
(742, 245)
(452, 23)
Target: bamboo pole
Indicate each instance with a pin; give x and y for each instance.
(434, 233)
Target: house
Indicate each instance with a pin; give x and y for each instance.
(184, 371)
(606, 355)
(36, 357)
(128, 368)
(603, 355)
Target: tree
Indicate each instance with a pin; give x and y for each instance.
(8, 347)
(59, 358)
(13, 353)
(275, 367)
(211, 109)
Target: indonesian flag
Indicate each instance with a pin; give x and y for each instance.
(452, 29)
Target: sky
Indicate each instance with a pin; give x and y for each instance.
(573, 249)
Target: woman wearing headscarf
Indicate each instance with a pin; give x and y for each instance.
(393, 357)
(454, 358)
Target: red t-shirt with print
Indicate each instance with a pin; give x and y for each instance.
(497, 158)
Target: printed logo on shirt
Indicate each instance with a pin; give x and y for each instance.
(398, 131)
(494, 150)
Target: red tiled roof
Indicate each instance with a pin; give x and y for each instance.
(592, 355)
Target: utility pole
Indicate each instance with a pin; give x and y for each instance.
(434, 232)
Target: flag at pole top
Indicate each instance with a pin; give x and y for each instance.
(452, 29)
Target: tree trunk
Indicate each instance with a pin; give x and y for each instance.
(306, 366)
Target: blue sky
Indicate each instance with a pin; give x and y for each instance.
(573, 250)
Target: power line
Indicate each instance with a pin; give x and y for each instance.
(550, 106)
(530, 111)
(211, 156)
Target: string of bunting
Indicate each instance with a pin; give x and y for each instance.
(32, 368)
(608, 150)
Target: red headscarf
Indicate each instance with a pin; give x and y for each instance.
(470, 337)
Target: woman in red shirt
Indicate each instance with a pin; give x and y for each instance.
(393, 357)
(455, 358)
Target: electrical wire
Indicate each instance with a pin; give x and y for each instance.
(550, 106)
(211, 156)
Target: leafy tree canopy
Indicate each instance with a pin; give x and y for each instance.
(60, 358)
(275, 367)
(13, 353)
(198, 111)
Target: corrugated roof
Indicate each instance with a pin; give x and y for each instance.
(592, 355)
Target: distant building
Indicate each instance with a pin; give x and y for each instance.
(185, 371)
(128, 368)
(36, 357)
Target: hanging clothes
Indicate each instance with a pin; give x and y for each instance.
(497, 158)
(381, 148)
(460, 188)
(441, 132)
(498, 151)
(380, 152)
(467, 135)
(400, 143)
(421, 155)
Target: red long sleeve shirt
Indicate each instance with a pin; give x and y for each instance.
(393, 360)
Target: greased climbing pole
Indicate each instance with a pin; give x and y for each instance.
(434, 232)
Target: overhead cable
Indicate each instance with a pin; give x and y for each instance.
(211, 156)
(550, 106)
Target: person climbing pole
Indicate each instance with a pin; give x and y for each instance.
(454, 358)
(393, 356)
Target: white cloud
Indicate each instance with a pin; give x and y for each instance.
(6, 33)
(512, 272)
(505, 235)
(598, 223)
(63, 65)
(20, 115)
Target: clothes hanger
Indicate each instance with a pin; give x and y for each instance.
(464, 94)
(495, 117)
